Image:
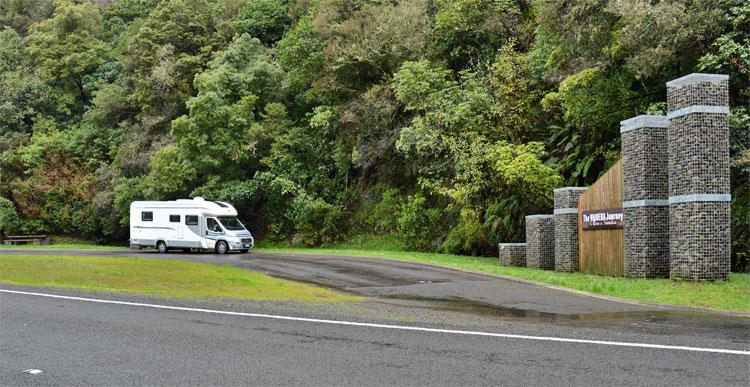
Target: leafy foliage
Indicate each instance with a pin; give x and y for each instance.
(67, 48)
(442, 122)
(8, 216)
(266, 20)
(219, 130)
(417, 223)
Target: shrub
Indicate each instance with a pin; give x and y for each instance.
(266, 20)
(384, 215)
(417, 224)
(315, 221)
(8, 216)
(466, 237)
(171, 174)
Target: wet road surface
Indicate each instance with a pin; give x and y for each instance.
(82, 343)
(390, 278)
(76, 342)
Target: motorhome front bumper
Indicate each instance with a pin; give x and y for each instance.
(245, 243)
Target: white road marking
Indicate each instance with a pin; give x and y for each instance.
(33, 371)
(396, 327)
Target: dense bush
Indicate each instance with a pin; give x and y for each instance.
(440, 122)
(419, 224)
(468, 236)
(314, 221)
(384, 215)
(8, 216)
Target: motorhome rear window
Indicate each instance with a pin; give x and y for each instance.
(147, 216)
(191, 220)
(174, 218)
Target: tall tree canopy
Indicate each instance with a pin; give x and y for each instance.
(439, 123)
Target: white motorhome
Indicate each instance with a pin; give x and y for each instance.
(188, 224)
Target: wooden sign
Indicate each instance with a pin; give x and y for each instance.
(602, 251)
(604, 219)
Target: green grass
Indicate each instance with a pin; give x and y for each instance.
(65, 246)
(154, 277)
(723, 295)
(733, 295)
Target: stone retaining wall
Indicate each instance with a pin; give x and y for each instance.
(566, 228)
(645, 194)
(512, 254)
(699, 191)
(540, 241)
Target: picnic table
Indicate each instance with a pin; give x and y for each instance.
(24, 239)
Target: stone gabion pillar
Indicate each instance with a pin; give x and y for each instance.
(566, 228)
(699, 192)
(540, 241)
(645, 196)
(512, 254)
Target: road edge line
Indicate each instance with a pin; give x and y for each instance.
(732, 313)
(388, 326)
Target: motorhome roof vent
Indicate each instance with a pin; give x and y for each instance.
(198, 199)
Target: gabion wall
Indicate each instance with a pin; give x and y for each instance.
(645, 194)
(699, 192)
(540, 241)
(566, 227)
(512, 254)
(676, 193)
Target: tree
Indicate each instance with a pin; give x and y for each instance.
(170, 174)
(468, 32)
(665, 37)
(516, 95)
(21, 14)
(266, 20)
(730, 52)
(592, 103)
(323, 119)
(8, 216)
(219, 128)
(301, 55)
(23, 92)
(68, 47)
(460, 153)
(372, 43)
(165, 51)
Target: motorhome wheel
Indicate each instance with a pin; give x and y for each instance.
(221, 247)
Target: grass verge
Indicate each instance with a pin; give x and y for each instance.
(65, 246)
(155, 277)
(731, 295)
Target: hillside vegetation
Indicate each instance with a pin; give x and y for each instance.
(442, 122)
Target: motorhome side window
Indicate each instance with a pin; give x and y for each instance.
(213, 225)
(174, 218)
(147, 216)
(191, 220)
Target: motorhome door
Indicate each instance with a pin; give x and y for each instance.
(213, 229)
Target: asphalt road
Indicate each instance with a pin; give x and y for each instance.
(390, 278)
(81, 343)
(76, 342)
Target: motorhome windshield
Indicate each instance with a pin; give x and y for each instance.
(231, 223)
